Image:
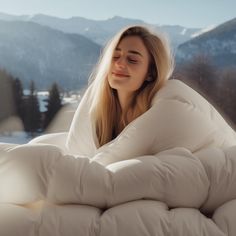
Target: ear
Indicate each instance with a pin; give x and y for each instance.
(149, 78)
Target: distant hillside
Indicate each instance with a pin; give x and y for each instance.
(9, 17)
(31, 51)
(65, 50)
(100, 31)
(219, 44)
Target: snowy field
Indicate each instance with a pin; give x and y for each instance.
(16, 137)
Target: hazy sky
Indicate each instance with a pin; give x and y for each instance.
(189, 13)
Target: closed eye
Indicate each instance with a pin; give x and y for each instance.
(116, 57)
(133, 61)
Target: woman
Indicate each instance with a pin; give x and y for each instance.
(133, 67)
(123, 114)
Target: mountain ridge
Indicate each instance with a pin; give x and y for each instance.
(31, 51)
(219, 44)
(101, 30)
(45, 53)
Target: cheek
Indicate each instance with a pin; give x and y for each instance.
(110, 71)
(113, 82)
(136, 82)
(111, 67)
(139, 79)
(141, 75)
(142, 70)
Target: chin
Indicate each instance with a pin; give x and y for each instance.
(114, 86)
(114, 82)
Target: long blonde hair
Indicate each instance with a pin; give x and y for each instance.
(105, 108)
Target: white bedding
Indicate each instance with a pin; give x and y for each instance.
(172, 171)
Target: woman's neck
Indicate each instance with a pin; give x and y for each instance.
(124, 100)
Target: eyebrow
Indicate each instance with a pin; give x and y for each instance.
(131, 51)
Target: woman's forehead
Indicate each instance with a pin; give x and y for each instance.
(132, 44)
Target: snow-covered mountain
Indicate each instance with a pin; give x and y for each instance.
(46, 49)
(101, 30)
(219, 44)
(31, 51)
(8, 17)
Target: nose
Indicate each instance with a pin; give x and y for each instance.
(120, 62)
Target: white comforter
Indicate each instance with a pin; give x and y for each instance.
(170, 172)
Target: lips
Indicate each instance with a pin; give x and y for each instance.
(119, 74)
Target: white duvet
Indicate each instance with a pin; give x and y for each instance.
(179, 117)
(172, 171)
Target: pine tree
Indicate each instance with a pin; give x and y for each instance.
(18, 97)
(54, 104)
(201, 74)
(32, 115)
(7, 105)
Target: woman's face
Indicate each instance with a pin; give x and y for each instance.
(129, 66)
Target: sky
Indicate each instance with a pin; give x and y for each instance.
(188, 13)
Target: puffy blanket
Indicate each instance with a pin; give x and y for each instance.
(172, 171)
